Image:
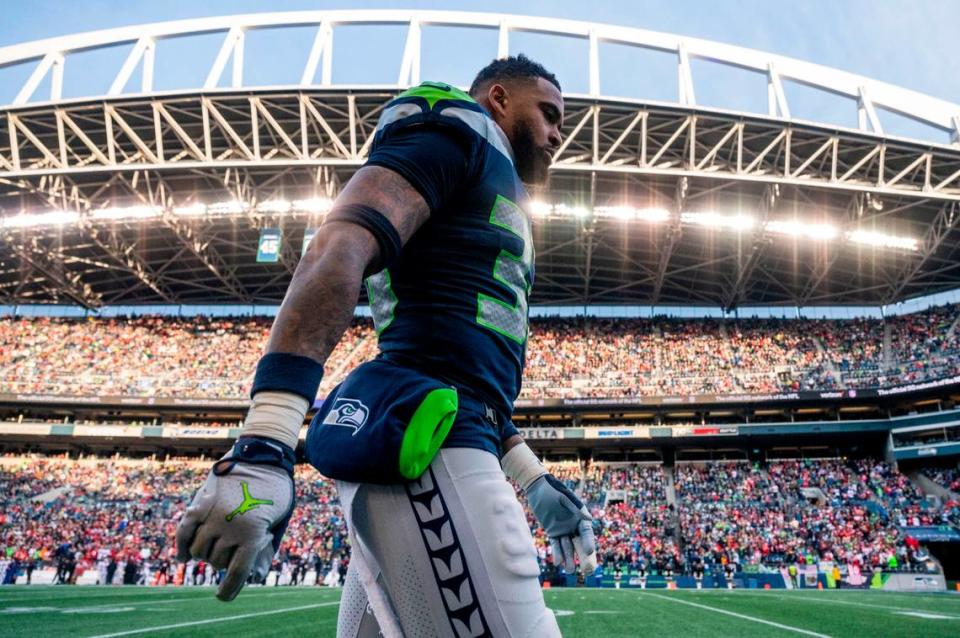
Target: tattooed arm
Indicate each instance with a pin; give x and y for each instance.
(321, 298)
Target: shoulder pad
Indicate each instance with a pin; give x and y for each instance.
(434, 92)
(438, 103)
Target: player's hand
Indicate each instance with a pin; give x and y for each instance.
(566, 521)
(238, 517)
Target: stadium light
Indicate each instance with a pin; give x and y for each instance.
(656, 215)
(314, 205)
(129, 212)
(278, 206)
(32, 220)
(233, 207)
(738, 222)
(882, 240)
(540, 208)
(794, 228)
(191, 210)
(628, 213)
(274, 206)
(562, 210)
(624, 213)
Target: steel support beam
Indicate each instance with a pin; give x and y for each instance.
(200, 248)
(943, 224)
(758, 243)
(70, 284)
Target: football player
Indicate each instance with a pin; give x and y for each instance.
(420, 440)
(729, 571)
(698, 571)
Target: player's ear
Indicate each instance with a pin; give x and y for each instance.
(498, 98)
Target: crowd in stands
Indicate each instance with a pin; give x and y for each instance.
(854, 348)
(801, 512)
(949, 479)
(142, 356)
(731, 510)
(118, 517)
(575, 357)
(150, 356)
(922, 347)
(83, 515)
(904, 501)
(633, 521)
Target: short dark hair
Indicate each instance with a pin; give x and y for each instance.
(518, 67)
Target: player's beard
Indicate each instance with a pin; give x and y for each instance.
(533, 162)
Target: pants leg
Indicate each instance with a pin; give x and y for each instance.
(453, 552)
(356, 618)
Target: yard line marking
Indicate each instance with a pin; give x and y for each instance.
(150, 609)
(829, 601)
(127, 606)
(209, 621)
(878, 593)
(46, 600)
(92, 593)
(585, 593)
(927, 615)
(115, 591)
(137, 603)
(602, 611)
(736, 615)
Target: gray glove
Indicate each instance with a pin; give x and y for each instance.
(237, 519)
(566, 521)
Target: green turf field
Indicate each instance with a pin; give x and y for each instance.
(84, 612)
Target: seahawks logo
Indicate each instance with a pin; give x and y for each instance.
(350, 413)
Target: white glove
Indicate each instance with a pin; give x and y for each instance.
(562, 515)
(237, 519)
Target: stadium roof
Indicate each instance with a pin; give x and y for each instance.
(143, 196)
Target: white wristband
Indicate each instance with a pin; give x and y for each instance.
(521, 465)
(276, 415)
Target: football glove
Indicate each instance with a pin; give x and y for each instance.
(237, 519)
(562, 515)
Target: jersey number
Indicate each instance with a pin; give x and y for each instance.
(383, 301)
(511, 270)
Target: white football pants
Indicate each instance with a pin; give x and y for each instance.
(449, 555)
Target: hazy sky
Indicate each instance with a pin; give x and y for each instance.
(910, 44)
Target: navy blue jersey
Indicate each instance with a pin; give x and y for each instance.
(454, 303)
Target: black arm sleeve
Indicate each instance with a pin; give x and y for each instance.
(436, 160)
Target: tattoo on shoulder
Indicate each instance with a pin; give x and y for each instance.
(390, 194)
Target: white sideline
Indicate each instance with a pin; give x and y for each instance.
(34, 599)
(131, 604)
(138, 593)
(736, 615)
(830, 601)
(73, 610)
(214, 620)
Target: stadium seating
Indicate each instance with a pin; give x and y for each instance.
(162, 356)
(128, 506)
(784, 512)
(798, 512)
(945, 477)
(629, 505)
